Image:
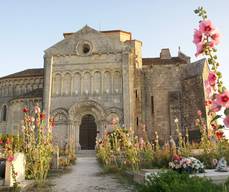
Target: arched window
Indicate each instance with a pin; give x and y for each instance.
(4, 113)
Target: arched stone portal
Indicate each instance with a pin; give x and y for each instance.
(88, 132)
(78, 114)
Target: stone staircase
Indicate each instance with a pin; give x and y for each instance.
(86, 153)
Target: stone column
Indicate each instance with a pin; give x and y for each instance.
(48, 63)
(77, 134)
(72, 83)
(102, 83)
(92, 84)
(71, 134)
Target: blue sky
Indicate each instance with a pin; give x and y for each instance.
(28, 27)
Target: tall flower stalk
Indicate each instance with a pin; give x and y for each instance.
(206, 38)
(38, 147)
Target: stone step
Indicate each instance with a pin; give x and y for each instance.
(86, 153)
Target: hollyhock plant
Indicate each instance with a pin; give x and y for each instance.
(25, 110)
(215, 37)
(226, 121)
(223, 99)
(215, 107)
(10, 158)
(219, 134)
(199, 49)
(206, 27)
(217, 94)
(212, 78)
(197, 37)
(208, 89)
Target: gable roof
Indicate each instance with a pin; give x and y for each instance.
(26, 73)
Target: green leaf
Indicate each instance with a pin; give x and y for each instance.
(226, 111)
(196, 11)
(216, 117)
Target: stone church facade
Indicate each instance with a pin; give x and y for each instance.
(91, 77)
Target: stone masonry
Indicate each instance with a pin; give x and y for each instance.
(102, 74)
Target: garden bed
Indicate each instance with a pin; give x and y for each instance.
(216, 177)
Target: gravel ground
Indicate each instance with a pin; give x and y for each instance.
(87, 176)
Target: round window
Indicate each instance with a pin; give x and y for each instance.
(86, 48)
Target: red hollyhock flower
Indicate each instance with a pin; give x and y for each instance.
(176, 158)
(25, 110)
(219, 134)
(42, 116)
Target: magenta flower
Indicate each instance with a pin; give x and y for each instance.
(199, 112)
(199, 49)
(215, 37)
(206, 27)
(223, 99)
(215, 107)
(208, 89)
(226, 121)
(197, 37)
(10, 158)
(212, 78)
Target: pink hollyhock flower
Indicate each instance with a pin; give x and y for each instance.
(199, 49)
(215, 107)
(223, 99)
(37, 109)
(215, 37)
(212, 78)
(226, 121)
(199, 112)
(206, 27)
(208, 89)
(10, 158)
(197, 37)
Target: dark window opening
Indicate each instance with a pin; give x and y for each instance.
(136, 93)
(86, 48)
(4, 113)
(152, 105)
(137, 121)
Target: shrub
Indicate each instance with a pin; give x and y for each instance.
(172, 181)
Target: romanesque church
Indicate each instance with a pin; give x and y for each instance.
(91, 77)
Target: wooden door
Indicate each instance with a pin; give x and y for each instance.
(88, 132)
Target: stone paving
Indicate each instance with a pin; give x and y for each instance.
(87, 176)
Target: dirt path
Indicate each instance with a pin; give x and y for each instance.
(87, 176)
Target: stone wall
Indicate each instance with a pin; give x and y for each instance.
(12, 100)
(162, 88)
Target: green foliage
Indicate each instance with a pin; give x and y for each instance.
(118, 150)
(172, 181)
(37, 144)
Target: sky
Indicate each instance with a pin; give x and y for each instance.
(28, 27)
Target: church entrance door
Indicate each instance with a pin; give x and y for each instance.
(88, 132)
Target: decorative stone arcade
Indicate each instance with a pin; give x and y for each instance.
(77, 114)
